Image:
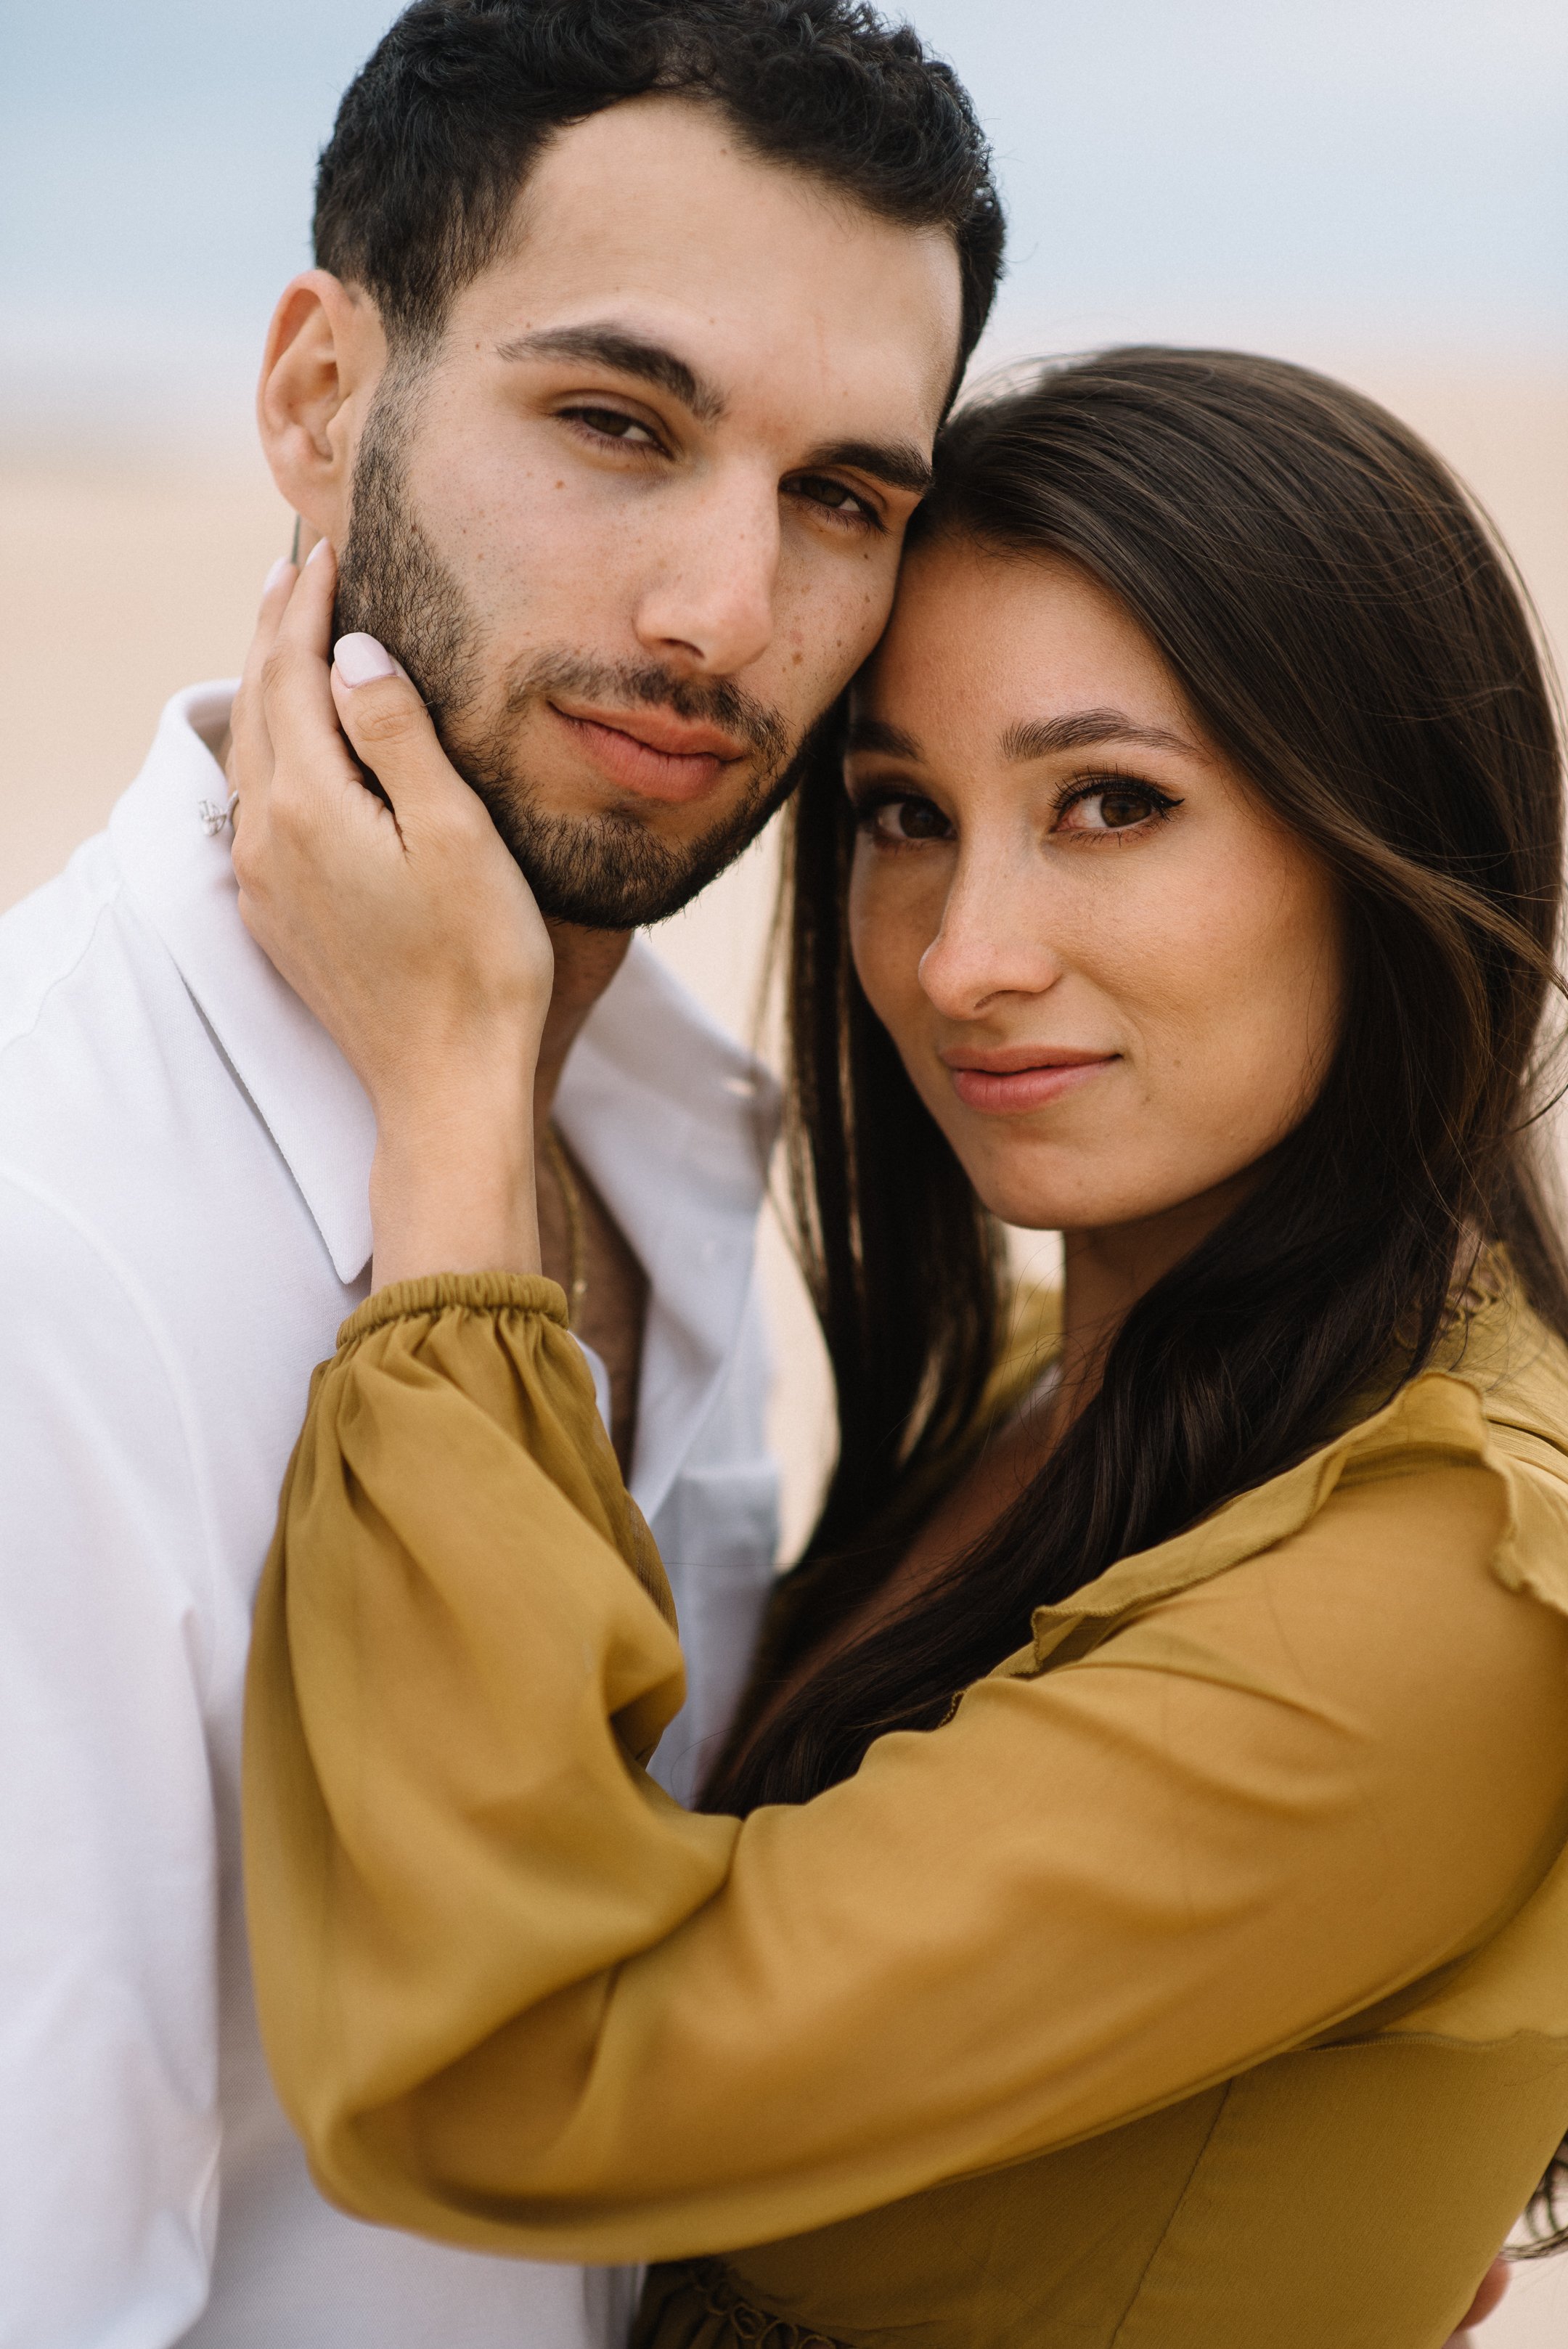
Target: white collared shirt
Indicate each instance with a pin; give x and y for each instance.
(184, 1159)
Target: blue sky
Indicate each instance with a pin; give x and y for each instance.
(1306, 175)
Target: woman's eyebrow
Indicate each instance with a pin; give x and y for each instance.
(876, 734)
(1086, 729)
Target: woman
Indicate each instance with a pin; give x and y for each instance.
(1133, 1906)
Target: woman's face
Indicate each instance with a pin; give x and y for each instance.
(1112, 976)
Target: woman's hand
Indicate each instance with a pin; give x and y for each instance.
(405, 925)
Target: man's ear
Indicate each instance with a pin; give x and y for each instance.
(325, 355)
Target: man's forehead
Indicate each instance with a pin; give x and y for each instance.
(652, 218)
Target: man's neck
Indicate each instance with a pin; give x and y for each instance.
(586, 962)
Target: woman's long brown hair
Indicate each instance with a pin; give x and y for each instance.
(1348, 632)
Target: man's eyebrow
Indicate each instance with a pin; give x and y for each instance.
(899, 464)
(876, 734)
(1086, 729)
(628, 354)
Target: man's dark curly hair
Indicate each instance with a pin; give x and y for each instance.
(438, 130)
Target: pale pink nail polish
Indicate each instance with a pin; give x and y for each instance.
(280, 570)
(362, 660)
(321, 547)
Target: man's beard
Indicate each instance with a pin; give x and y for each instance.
(607, 871)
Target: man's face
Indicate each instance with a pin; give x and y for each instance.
(635, 521)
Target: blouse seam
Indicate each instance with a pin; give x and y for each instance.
(1499, 2042)
(1130, 2310)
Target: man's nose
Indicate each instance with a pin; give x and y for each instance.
(995, 938)
(712, 605)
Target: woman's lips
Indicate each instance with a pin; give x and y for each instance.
(1035, 1085)
(672, 765)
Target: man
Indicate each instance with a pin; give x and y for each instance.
(614, 387)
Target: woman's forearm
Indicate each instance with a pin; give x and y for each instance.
(452, 1186)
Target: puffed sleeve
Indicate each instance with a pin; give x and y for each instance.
(516, 1998)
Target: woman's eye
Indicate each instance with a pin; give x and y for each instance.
(613, 424)
(834, 497)
(903, 821)
(1112, 807)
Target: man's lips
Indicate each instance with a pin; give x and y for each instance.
(1019, 1077)
(652, 752)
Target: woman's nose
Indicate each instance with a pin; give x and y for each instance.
(995, 938)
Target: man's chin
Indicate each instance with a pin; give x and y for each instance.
(613, 868)
(611, 873)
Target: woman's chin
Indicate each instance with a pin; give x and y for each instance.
(1015, 1187)
(1021, 1207)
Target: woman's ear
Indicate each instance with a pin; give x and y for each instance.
(325, 353)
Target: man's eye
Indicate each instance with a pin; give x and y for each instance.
(902, 822)
(822, 490)
(613, 424)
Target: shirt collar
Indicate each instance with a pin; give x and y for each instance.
(672, 1119)
(676, 1124)
(175, 857)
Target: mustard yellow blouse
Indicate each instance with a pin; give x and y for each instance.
(1201, 1984)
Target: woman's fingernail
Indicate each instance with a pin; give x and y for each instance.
(362, 660)
(280, 571)
(323, 546)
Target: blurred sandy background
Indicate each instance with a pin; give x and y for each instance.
(1380, 189)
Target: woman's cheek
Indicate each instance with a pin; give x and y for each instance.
(890, 926)
(1279, 999)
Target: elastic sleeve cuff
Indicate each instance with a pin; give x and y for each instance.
(461, 1292)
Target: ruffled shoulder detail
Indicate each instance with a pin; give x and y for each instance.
(1492, 1410)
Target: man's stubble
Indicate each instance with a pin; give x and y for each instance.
(607, 871)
